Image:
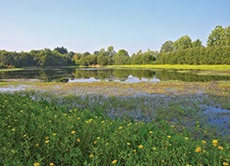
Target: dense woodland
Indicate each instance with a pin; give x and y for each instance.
(181, 51)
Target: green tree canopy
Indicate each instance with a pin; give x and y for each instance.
(183, 42)
(167, 46)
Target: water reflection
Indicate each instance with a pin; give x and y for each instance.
(105, 74)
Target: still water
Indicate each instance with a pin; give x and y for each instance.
(64, 74)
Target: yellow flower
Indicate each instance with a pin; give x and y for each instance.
(51, 164)
(169, 136)
(98, 138)
(203, 142)
(54, 134)
(47, 141)
(36, 164)
(47, 138)
(78, 140)
(186, 138)
(225, 164)
(150, 132)
(107, 144)
(154, 148)
(214, 142)
(37, 145)
(220, 148)
(120, 127)
(95, 142)
(73, 132)
(198, 149)
(128, 143)
(103, 121)
(13, 129)
(134, 150)
(114, 162)
(140, 146)
(91, 155)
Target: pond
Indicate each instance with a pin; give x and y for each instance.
(67, 74)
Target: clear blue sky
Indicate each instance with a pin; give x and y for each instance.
(89, 25)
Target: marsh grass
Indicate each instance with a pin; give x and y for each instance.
(79, 130)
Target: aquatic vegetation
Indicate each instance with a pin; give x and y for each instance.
(35, 131)
(111, 123)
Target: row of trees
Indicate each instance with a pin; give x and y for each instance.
(186, 51)
(46, 57)
(111, 57)
(181, 51)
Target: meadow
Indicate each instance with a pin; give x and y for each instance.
(109, 123)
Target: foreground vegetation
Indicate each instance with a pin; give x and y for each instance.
(99, 124)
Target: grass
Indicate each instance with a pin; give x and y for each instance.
(47, 133)
(184, 67)
(10, 69)
(110, 123)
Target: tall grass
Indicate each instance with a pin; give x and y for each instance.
(46, 133)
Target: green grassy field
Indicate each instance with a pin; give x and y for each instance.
(84, 124)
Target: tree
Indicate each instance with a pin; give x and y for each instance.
(183, 42)
(227, 36)
(197, 43)
(61, 50)
(216, 38)
(167, 46)
(121, 58)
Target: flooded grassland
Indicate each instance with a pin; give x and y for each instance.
(181, 117)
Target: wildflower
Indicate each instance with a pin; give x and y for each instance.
(89, 121)
(114, 162)
(98, 138)
(91, 155)
(140, 146)
(203, 142)
(95, 142)
(198, 149)
(129, 124)
(36, 164)
(220, 148)
(172, 126)
(134, 150)
(188, 165)
(225, 164)
(51, 164)
(47, 138)
(37, 145)
(120, 127)
(169, 136)
(73, 132)
(107, 144)
(150, 132)
(78, 140)
(103, 121)
(128, 143)
(214, 142)
(54, 134)
(78, 118)
(47, 141)
(13, 129)
(186, 138)
(154, 148)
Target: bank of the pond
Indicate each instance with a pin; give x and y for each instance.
(176, 67)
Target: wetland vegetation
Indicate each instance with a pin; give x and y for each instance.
(106, 123)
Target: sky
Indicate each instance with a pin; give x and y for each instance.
(89, 25)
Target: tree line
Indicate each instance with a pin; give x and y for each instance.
(181, 51)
